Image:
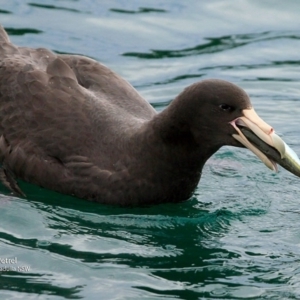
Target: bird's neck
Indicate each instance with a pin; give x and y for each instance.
(175, 139)
(172, 159)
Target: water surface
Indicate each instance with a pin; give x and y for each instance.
(238, 236)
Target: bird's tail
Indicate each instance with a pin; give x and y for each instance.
(3, 35)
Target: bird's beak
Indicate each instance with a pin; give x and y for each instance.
(261, 139)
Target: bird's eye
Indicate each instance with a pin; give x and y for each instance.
(226, 107)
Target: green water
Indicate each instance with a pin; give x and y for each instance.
(238, 237)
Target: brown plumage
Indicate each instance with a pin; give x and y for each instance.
(70, 124)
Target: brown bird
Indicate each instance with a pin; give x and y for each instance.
(70, 124)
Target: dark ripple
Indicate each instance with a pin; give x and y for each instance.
(203, 72)
(2, 11)
(54, 7)
(140, 10)
(283, 63)
(35, 284)
(215, 45)
(161, 104)
(22, 31)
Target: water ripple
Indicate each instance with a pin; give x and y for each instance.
(140, 10)
(215, 45)
(22, 31)
(2, 11)
(54, 7)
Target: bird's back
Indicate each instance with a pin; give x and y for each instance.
(43, 94)
(55, 107)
